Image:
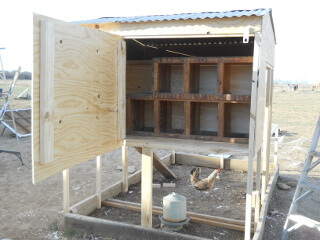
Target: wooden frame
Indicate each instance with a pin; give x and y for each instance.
(77, 218)
(261, 27)
(190, 100)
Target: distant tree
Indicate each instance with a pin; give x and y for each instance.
(23, 75)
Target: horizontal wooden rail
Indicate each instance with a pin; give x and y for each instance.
(233, 224)
(198, 97)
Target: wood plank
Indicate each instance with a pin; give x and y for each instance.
(195, 217)
(112, 229)
(186, 78)
(159, 165)
(124, 157)
(227, 98)
(264, 209)
(207, 60)
(188, 120)
(121, 51)
(213, 162)
(237, 140)
(130, 115)
(146, 187)
(99, 181)
(47, 49)
(88, 205)
(157, 116)
(230, 27)
(139, 78)
(252, 138)
(221, 119)
(188, 145)
(66, 191)
(85, 100)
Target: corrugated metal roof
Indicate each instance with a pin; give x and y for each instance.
(182, 16)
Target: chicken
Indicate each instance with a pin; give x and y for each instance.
(206, 183)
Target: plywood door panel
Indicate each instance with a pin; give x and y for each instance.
(85, 103)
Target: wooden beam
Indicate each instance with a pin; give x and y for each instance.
(188, 145)
(187, 115)
(157, 116)
(240, 140)
(221, 119)
(66, 191)
(107, 228)
(124, 155)
(146, 187)
(159, 165)
(267, 133)
(99, 181)
(88, 205)
(252, 128)
(214, 162)
(260, 227)
(258, 188)
(195, 217)
(226, 98)
(186, 78)
(47, 50)
(121, 49)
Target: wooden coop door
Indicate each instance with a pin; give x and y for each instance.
(78, 95)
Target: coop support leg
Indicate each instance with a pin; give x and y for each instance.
(99, 181)
(66, 191)
(124, 167)
(146, 187)
(258, 190)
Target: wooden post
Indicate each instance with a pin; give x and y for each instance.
(276, 146)
(187, 115)
(267, 133)
(146, 187)
(66, 191)
(173, 157)
(99, 181)
(125, 184)
(258, 190)
(222, 161)
(252, 128)
(47, 92)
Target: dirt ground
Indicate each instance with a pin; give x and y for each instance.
(33, 211)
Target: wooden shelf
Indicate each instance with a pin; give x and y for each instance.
(228, 98)
(191, 98)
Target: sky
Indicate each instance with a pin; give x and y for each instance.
(296, 24)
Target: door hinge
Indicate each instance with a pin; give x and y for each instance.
(246, 32)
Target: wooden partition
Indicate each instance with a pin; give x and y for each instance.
(193, 98)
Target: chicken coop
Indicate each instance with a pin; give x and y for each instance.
(199, 83)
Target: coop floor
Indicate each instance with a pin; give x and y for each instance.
(227, 199)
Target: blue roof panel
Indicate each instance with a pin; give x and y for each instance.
(182, 16)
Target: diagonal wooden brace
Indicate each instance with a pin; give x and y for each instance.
(159, 165)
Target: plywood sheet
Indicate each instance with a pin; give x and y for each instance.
(176, 83)
(139, 78)
(209, 117)
(178, 120)
(241, 79)
(240, 118)
(208, 79)
(149, 114)
(85, 96)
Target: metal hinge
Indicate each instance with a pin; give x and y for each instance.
(246, 32)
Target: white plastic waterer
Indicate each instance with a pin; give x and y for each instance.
(174, 210)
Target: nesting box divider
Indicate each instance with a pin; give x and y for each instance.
(192, 98)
